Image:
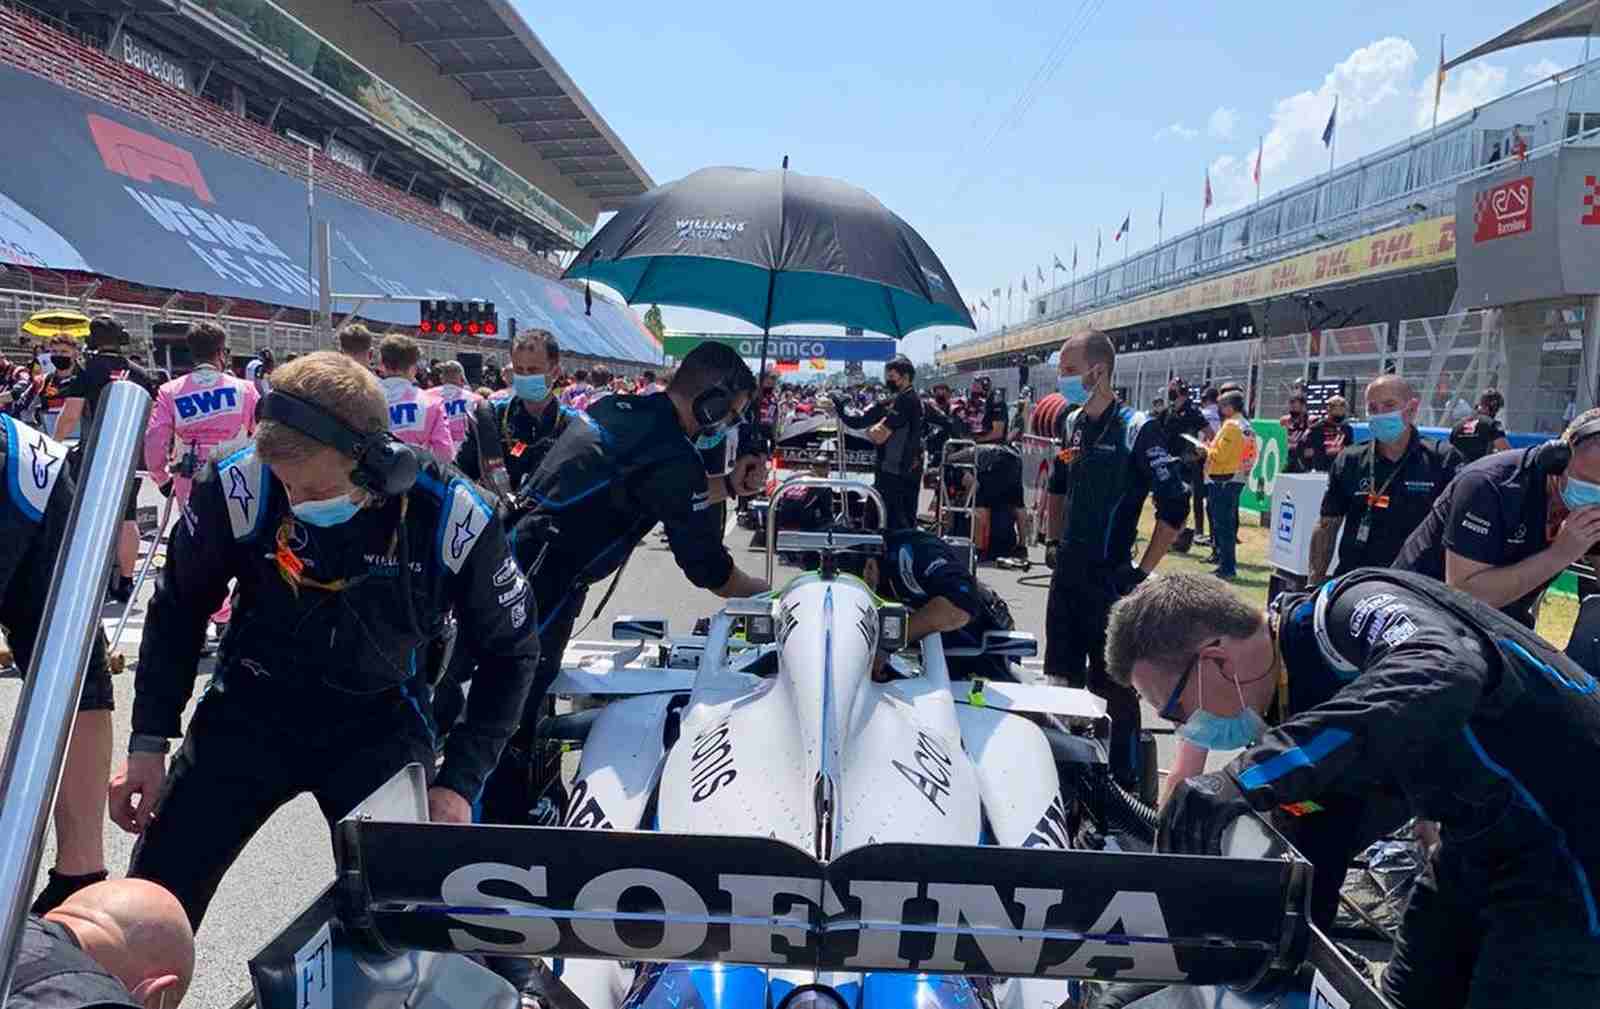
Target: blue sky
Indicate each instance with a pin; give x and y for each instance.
(919, 104)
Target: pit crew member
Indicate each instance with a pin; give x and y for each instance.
(610, 476)
(347, 552)
(415, 417)
(896, 428)
(1388, 684)
(1111, 459)
(455, 399)
(1482, 433)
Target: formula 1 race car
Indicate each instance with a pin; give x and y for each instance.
(796, 810)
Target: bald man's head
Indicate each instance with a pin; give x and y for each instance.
(1392, 394)
(138, 932)
(1090, 355)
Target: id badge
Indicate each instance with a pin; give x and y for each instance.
(1364, 530)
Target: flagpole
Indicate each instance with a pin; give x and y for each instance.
(1438, 82)
(1333, 138)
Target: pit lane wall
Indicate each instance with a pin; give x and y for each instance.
(98, 190)
(1420, 245)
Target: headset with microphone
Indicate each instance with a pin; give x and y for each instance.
(711, 406)
(1553, 457)
(384, 465)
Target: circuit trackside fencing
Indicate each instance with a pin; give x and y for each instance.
(246, 335)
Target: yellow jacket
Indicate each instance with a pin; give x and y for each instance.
(1226, 453)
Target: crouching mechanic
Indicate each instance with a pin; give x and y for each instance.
(931, 578)
(610, 476)
(1389, 684)
(347, 552)
(35, 500)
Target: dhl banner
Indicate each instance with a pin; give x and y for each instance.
(1412, 246)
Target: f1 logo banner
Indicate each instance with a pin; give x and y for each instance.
(1504, 210)
(632, 896)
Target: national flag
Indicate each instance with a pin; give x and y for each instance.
(1519, 146)
(1161, 212)
(1207, 205)
(1057, 259)
(1008, 292)
(1074, 256)
(1260, 146)
(1123, 229)
(1024, 283)
(1097, 244)
(985, 304)
(1333, 120)
(1039, 272)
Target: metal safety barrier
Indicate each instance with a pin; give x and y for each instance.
(38, 744)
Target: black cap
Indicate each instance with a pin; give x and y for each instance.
(106, 331)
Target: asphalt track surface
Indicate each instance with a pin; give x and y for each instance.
(289, 862)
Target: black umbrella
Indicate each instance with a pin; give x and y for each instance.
(773, 248)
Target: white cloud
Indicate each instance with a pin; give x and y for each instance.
(1222, 122)
(1546, 67)
(1177, 130)
(1385, 95)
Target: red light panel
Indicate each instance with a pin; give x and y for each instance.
(426, 327)
(457, 328)
(472, 328)
(490, 328)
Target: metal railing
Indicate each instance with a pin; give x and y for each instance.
(1365, 218)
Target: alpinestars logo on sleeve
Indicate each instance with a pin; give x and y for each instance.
(239, 492)
(462, 536)
(43, 462)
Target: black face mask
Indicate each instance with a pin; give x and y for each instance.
(61, 361)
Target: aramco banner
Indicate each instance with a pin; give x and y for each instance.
(787, 347)
(100, 190)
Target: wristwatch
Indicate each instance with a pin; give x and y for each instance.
(141, 742)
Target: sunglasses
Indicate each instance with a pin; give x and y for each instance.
(1171, 711)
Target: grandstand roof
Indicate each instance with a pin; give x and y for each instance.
(490, 50)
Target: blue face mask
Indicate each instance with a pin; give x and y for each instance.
(1580, 494)
(532, 388)
(328, 512)
(1218, 732)
(1072, 389)
(1387, 426)
(711, 438)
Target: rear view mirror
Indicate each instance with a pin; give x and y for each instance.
(639, 629)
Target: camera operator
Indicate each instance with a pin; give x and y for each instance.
(603, 485)
(895, 427)
(348, 548)
(106, 364)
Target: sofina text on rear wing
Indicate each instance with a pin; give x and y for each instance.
(631, 896)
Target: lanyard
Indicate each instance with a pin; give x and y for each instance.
(1379, 497)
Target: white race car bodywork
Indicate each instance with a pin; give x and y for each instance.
(822, 756)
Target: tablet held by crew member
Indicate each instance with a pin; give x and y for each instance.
(1482, 433)
(895, 426)
(1387, 686)
(1382, 490)
(1510, 523)
(1111, 459)
(348, 551)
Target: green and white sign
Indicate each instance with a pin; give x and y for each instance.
(787, 347)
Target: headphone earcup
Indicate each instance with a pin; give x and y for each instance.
(712, 405)
(387, 466)
(1553, 457)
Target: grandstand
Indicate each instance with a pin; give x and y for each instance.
(451, 154)
(1356, 272)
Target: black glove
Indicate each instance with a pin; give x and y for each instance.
(1050, 550)
(1125, 580)
(1200, 809)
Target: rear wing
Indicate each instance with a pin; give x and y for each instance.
(635, 896)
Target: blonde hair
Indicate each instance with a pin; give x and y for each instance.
(337, 384)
